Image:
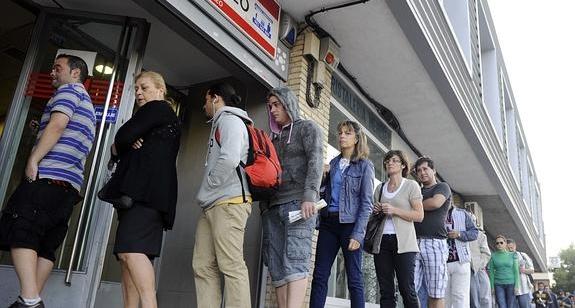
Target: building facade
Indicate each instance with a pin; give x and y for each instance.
(426, 77)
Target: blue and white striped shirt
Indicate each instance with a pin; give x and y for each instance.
(463, 223)
(65, 161)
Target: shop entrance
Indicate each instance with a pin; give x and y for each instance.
(87, 274)
(189, 66)
(113, 47)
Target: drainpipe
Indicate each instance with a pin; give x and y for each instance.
(321, 32)
(387, 115)
(314, 101)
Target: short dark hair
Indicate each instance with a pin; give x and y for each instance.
(75, 62)
(510, 241)
(541, 282)
(227, 93)
(402, 157)
(424, 159)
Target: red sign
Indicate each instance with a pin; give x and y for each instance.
(40, 86)
(257, 19)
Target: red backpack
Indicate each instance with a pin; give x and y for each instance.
(262, 168)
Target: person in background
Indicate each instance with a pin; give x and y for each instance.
(394, 257)
(460, 231)
(287, 247)
(147, 146)
(553, 296)
(480, 288)
(34, 222)
(503, 273)
(571, 298)
(563, 300)
(541, 298)
(349, 193)
(523, 295)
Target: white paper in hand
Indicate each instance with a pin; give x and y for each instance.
(296, 215)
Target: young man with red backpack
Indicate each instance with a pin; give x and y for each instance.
(226, 203)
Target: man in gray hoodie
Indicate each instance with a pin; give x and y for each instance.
(226, 205)
(287, 246)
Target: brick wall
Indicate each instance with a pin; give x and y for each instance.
(297, 79)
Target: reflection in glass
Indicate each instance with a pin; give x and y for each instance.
(60, 33)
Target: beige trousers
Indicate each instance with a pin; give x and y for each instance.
(219, 248)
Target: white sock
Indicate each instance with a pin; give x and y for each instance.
(31, 301)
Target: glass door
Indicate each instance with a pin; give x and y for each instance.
(113, 48)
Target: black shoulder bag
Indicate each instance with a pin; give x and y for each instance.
(373, 228)
(110, 192)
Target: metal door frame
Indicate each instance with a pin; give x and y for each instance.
(98, 216)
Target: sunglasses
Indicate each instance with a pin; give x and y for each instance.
(499, 243)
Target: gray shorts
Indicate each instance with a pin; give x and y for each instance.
(287, 247)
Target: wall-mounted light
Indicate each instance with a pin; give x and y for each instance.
(106, 70)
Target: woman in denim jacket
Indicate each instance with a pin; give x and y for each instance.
(349, 193)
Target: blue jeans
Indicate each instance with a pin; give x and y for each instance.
(505, 295)
(523, 301)
(422, 294)
(480, 288)
(334, 236)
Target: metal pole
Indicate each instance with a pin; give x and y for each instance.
(89, 192)
(125, 41)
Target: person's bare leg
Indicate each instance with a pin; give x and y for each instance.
(281, 295)
(296, 293)
(435, 302)
(129, 291)
(43, 270)
(142, 273)
(25, 262)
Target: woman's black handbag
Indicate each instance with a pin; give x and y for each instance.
(372, 230)
(110, 191)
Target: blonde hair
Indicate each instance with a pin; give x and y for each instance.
(156, 78)
(361, 148)
(158, 81)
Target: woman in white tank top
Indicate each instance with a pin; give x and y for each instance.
(400, 201)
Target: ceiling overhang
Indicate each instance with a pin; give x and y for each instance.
(375, 50)
(382, 59)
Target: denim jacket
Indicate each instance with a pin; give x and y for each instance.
(356, 195)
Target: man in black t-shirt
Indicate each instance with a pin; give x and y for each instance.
(430, 266)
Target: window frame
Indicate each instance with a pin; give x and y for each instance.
(467, 56)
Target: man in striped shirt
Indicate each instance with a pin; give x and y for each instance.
(462, 231)
(35, 220)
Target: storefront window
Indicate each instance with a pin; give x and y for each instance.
(15, 33)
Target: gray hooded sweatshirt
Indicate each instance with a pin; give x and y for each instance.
(221, 180)
(299, 146)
